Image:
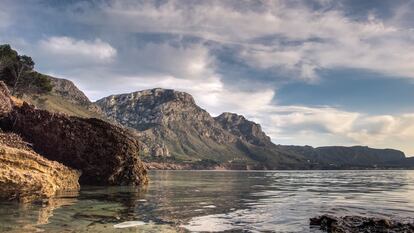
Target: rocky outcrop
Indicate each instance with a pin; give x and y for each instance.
(69, 92)
(26, 176)
(356, 224)
(158, 107)
(106, 154)
(244, 129)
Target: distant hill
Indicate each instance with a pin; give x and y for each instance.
(346, 157)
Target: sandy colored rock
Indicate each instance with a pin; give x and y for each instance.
(26, 176)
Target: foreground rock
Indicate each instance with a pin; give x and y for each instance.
(351, 224)
(26, 176)
(106, 154)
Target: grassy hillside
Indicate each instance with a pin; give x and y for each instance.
(58, 104)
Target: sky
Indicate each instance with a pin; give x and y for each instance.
(314, 72)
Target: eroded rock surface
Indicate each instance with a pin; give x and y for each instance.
(357, 224)
(26, 176)
(244, 129)
(170, 124)
(106, 154)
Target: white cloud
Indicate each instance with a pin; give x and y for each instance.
(189, 61)
(327, 126)
(322, 39)
(96, 50)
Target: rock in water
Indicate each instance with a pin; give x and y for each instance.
(26, 176)
(351, 224)
(106, 154)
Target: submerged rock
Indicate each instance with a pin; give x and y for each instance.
(26, 176)
(351, 224)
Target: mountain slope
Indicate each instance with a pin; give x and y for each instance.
(64, 97)
(174, 126)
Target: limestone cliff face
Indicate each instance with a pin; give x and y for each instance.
(147, 109)
(171, 124)
(244, 129)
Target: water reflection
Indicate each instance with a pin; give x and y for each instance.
(181, 201)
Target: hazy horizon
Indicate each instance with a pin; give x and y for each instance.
(316, 73)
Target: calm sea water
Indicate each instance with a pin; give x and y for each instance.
(228, 201)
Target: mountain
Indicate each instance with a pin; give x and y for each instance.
(64, 97)
(44, 91)
(174, 126)
(176, 130)
(244, 129)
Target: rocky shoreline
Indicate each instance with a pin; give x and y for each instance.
(356, 224)
(53, 151)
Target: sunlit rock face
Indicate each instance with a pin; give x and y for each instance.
(244, 129)
(26, 176)
(170, 124)
(146, 109)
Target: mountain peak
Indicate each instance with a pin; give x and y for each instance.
(243, 128)
(147, 108)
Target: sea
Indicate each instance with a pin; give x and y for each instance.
(219, 201)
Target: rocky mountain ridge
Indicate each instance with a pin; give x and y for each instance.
(172, 125)
(175, 123)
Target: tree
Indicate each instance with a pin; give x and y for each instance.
(17, 72)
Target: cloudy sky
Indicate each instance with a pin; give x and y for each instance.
(315, 72)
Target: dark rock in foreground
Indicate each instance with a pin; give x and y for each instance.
(104, 153)
(351, 224)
